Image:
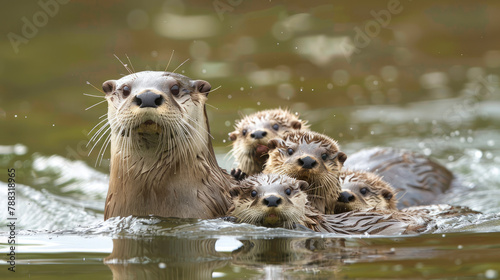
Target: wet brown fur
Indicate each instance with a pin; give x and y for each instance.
(295, 211)
(162, 159)
(244, 146)
(323, 177)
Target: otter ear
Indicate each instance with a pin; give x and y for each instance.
(303, 185)
(296, 125)
(233, 135)
(387, 195)
(202, 86)
(109, 86)
(273, 143)
(342, 157)
(235, 191)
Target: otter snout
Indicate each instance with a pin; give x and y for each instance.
(307, 162)
(259, 134)
(272, 201)
(148, 99)
(346, 197)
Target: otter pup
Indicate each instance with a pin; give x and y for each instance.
(252, 133)
(364, 190)
(418, 177)
(162, 159)
(312, 157)
(280, 201)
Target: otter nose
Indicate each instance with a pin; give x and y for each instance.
(272, 201)
(259, 134)
(148, 99)
(346, 197)
(307, 162)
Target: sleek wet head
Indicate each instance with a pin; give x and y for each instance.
(312, 157)
(270, 200)
(252, 133)
(364, 190)
(162, 160)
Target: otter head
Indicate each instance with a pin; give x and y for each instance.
(306, 155)
(363, 191)
(252, 133)
(312, 157)
(270, 201)
(153, 113)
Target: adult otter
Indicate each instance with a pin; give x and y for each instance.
(419, 179)
(252, 133)
(364, 190)
(312, 157)
(280, 201)
(162, 159)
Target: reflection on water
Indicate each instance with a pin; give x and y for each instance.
(164, 258)
(152, 248)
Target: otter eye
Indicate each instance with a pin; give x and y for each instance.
(126, 91)
(253, 193)
(175, 90)
(276, 127)
(290, 151)
(288, 191)
(363, 190)
(244, 132)
(388, 196)
(324, 156)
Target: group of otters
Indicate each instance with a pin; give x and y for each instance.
(163, 164)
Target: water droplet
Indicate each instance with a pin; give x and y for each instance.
(444, 235)
(451, 158)
(204, 71)
(277, 44)
(312, 89)
(162, 265)
(460, 247)
(242, 88)
(53, 125)
(227, 123)
(491, 274)
(223, 140)
(329, 86)
(15, 116)
(229, 96)
(372, 132)
(491, 143)
(258, 103)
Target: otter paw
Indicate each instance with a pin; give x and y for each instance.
(238, 174)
